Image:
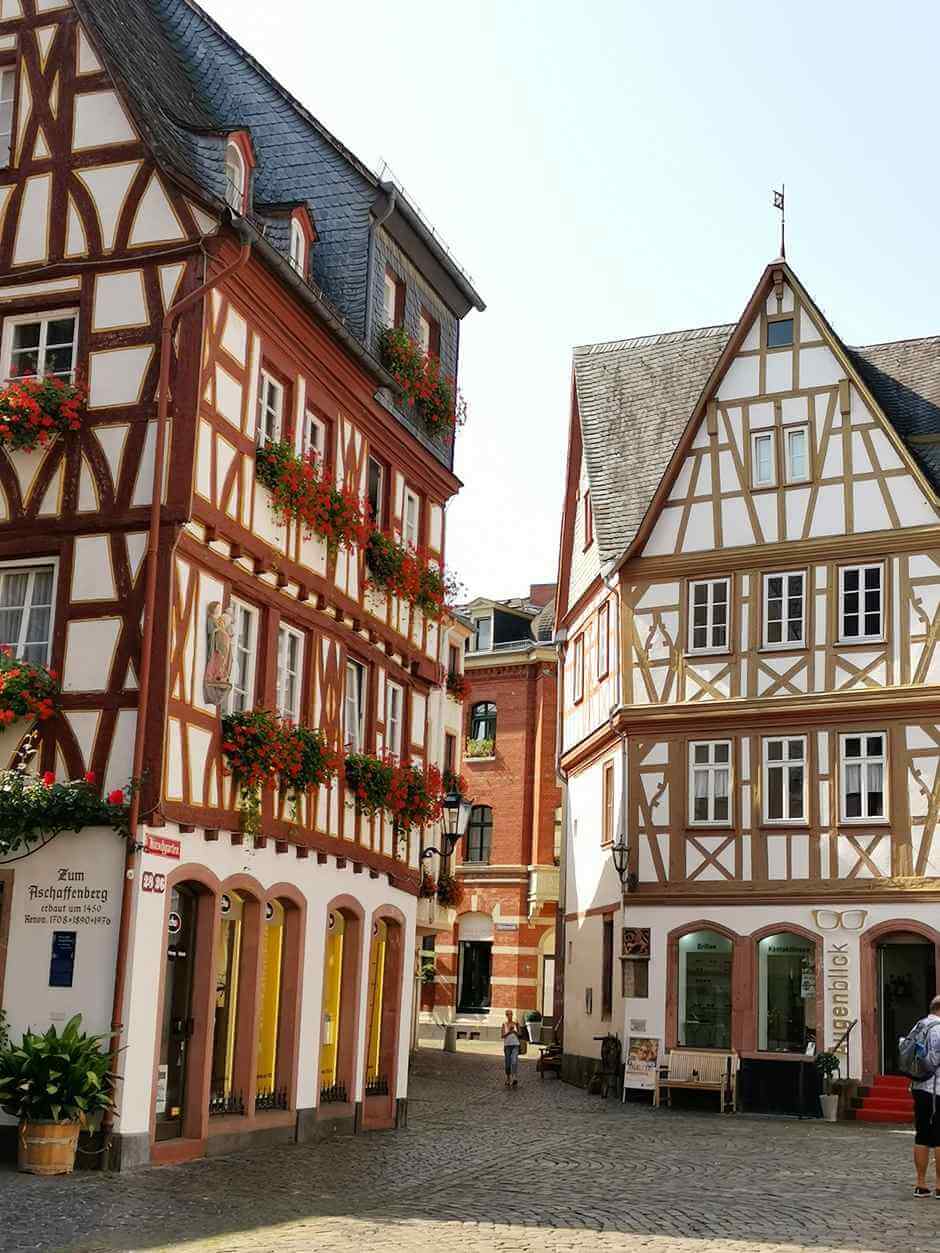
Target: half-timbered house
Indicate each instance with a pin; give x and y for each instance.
(749, 602)
(181, 235)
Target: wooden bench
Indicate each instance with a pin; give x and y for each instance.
(549, 1060)
(699, 1072)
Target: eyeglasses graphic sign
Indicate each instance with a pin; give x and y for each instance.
(840, 919)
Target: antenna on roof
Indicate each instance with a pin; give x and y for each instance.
(779, 203)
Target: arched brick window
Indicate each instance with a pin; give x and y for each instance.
(483, 721)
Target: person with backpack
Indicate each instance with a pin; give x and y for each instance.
(919, 1056)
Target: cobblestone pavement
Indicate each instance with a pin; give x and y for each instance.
(542, 1169)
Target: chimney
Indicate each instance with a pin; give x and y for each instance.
(541, 593)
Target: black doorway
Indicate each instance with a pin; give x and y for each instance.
(907, 982)
(475, 964)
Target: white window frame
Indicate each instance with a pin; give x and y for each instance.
(711, 768)
(577, 684)
(393, 738)
(32, 569)
(242, 655)
(390, 298)
(785, 644)
(269, 386)
(424, 333)
(863, 762)
(287, 707)
(7, 114)
(603, 640)
(789, 431)
(710, 624)
(784, 764)
(380, 503)
(354, 706)
(236, 189)
(411, 519)
(483, 617)
(862, 638)
(756, 438)
(298, 247)
(43, 318)
(314, 437)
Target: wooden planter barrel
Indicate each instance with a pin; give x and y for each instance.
(48, 1148)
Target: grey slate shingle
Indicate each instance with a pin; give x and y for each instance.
(636, 396)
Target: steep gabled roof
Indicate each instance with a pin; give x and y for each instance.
(636, 398)
(189, 83)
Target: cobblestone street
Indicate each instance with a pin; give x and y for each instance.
(544, 1168)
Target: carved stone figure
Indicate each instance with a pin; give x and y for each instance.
(219, 634)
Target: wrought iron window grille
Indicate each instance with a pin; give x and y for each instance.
(335, 1093)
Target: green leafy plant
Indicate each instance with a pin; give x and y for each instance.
(481, 748)
(33, 410)
(533, 1015)
(301, 490)
(57, 1078)
(427, 888)
(458, 686)
(368, 779)
(433, 394)
(36, 807)
(828, 1064)
(27, 690)
(410, 574)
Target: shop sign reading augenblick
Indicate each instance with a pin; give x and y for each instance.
(67, 900)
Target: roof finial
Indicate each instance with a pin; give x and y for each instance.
(779, 204)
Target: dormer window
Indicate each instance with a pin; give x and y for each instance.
(298, 247)
(237, 169)
(429, 334)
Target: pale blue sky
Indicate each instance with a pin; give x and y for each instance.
(606, 170)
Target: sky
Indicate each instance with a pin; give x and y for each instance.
(605, 170)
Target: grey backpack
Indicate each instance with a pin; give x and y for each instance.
(913, 1050)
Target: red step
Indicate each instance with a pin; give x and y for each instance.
(887, 1100)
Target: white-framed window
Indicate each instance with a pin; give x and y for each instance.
(709, 603)
(861, 603)
(234, 178)
(394, 707)
(763, 468)
(314, 438)
(785, 779)
(391, 302)
(270, 408)
(482, 634)
(354, 706)
(7, 97)
(785, 609)
(298, 247)
(375, 486)
(796, 444)
(710, 783)
(290, 660)
(244, 648)
(578, 680)
(27, 594)
(39, 344)
(424, 333)
(863, 776)
(603, 640)
(411, 519)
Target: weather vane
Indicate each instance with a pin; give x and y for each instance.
(779, 203)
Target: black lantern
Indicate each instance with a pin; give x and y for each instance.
(621, 856)
(454, 819)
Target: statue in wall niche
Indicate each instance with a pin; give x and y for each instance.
(220, 630)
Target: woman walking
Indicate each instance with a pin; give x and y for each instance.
(512, 1035)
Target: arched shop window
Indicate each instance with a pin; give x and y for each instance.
(786, 992)
(339, 1024)
(375, 1080)
(268, 1093)
(705, 961)
(226, 1095)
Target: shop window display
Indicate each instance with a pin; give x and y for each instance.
(786, 993)
(705, 960)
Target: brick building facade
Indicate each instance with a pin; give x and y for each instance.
(500, 952)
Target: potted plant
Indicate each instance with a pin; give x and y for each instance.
(533, 1024)
(55, 1085)
(828, 1065)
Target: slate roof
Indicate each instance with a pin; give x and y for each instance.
(636, 396)
(189, 84)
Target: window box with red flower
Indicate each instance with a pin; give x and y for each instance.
(411, 797)
(27, 690)
(301, 491)
(432, 394)
(449, 891)
(409, 574)
(34, 410)
(427, 889)
(458, 686)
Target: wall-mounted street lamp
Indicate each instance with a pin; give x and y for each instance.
(454, 820)
(621, 855)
